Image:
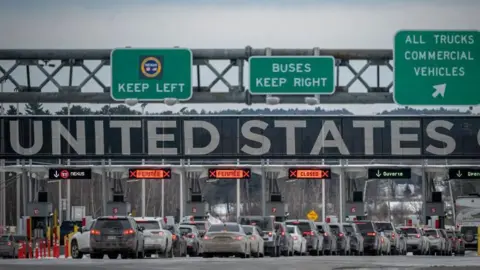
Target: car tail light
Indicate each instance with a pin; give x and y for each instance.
(324, 234)
(340, 235)
(191, 235)
(382, 240)
(206, 238)
(418, 235)
(459, 240)
(371, 234)
(128, 231)
(270, 233)
(174, 237)
(393, 235)
(437, 236)
(252, 238)
(9, 243)
(283, 233)
(161, 233)
(239, 238)
(95, 232)
(295, 237)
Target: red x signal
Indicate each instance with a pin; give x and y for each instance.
(229, 173)
(309, 173)
(149, 173)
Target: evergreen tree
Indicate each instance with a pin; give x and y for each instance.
(12, 110)
(35, 109)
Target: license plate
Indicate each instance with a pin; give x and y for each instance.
(112, 238)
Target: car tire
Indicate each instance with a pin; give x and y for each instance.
(75, 251)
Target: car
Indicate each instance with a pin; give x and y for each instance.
(436, 242)
(257, 247)
(329, 239)
(271, 238)
(116, 235)
(192, 236)
(402, 240)
(470, 236)
(80, 241)
(417, 242)
(157, 239)
(67, 227)
(299, 242)
(179, 242)
(226, 239)
(286, 240)
(390, 232)
(448, 243)
(10, 244)
(343, 240)
(373, 243)
(200, 224)
(356, 238)
(459, 249)
(309, 231)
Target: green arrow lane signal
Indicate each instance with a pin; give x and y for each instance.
(433, 68)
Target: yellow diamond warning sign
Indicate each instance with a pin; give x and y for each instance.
(312, 215)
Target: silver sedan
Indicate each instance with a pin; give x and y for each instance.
(226, 239)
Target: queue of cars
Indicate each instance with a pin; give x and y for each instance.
(255, 236)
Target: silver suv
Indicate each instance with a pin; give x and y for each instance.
(116, 235)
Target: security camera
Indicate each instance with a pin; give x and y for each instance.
(272, 100)
(131, 101)
(312, 101)
(170, 101)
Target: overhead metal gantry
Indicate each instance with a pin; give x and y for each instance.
(16, 70)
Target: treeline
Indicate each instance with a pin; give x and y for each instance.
(38, 109)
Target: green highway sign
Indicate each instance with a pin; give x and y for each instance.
(292, 75)
(436, 68)
(151, 74)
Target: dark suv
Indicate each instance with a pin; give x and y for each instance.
(311, 234)
(116, 235)
(271, 238)
(371, 238)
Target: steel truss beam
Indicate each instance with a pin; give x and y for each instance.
(76, 60)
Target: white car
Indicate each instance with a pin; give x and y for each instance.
(80, 241)
(299, 242)
(157, 239)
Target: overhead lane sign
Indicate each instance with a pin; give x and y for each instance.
(151, 74)
(290, 75)
(389, 173)
(145, 173)
(69, 173)
(237, 173)
(464, 173)
(436, 68)
(309, 173)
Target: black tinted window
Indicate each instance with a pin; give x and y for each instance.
(5, 238)
(290, 229)
(410, 230)
(247, 229)
(384, 226)
(20, 238)
(112, 223)
(222, 227)
(431, 233)
(469, 230)
(335, 229)
(185, 230)
(149, 225)
(265, 224)
(302, 226)
(449, 234)
(365, 226)
(348, 228)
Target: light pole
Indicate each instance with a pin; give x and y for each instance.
(143, 190)
(3, 193)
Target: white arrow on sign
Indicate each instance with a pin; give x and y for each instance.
(56, 175)
(439, 90)
(459, 174)
(378, 173)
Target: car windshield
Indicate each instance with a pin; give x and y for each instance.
(224, 228)
(384, 226)
(200, 226)
(185, 230)
(302, 226)
(248, 229)
(468, 230)
(431, 233)
(149, 224)
(348, 228)
(264, 223)
(335, 229)
(410, 230)
(365, 226)
(291, 229)
(116, 223)
(450, 234)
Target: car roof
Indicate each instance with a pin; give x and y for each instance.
(187, 226)
(148, 218)
(113, 217)
(299, 220)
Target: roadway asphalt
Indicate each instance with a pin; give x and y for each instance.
(282, 263)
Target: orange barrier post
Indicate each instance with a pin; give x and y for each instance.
(21, 250)
(44, 245)
(49, 247)
(30, 250)
(37, 251)
(67, 246)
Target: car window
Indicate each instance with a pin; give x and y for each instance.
(248, 229)
(224, 227)
(279, 227)
(112, 223)
(185, 230)
(365, 226)
(5, 238)
(410, 230)
(468, 230)
(348, 228)
(302, 226)
(264, 223)
(18, 238)
(335, 229)
(290, 229)
(450, 234)
(149, 224)
(385, 226)
(431, 233)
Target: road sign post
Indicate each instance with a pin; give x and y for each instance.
(290, 75)
(436, 68)
(151, 74)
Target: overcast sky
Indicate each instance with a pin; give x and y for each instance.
(67, 24)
